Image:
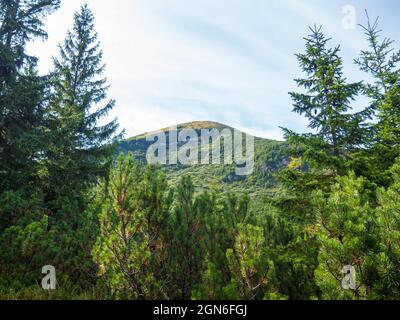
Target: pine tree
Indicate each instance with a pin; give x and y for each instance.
(186, 248)
(251, 270)
(24, 235)
(293, 250)
(327, 105)
(20, 22)
(80, 145)
(22, 92)
(130, 240)
(219, 212)
(382, 62)
(211, 284)
(157, 200)
(317, 158)
(78, 150)
(346, 231)
(387, 283)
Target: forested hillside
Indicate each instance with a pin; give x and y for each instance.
(270, 157)
(76, 196)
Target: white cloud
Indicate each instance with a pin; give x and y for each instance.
(230, 61)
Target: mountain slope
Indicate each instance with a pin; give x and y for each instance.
(270, 157)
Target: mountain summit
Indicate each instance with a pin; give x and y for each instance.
(270, 157)
(195, 125)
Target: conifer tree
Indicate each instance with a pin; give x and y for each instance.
(78, 149)
(347, 233)
(218, 212)
(386, 285)
(22, 92)
(382, 62)
(80, 144)
(317, 157)
(293, 251)
(128, 242)
(326, 104)
(251, 270)
(186, 249)
(23, 103)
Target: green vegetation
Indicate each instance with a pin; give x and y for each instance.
(115, 227)
(270, 157)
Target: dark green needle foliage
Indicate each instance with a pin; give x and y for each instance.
(80, 145)
(116, 228)
(381, 61)
(326, 103)
(22, 92)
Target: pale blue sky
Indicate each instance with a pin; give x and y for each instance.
(232, 61)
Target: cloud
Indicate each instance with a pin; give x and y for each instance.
(230, 61)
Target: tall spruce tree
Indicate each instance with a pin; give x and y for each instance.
(317, 157)
(326, 104)
(382, 62)
(80, 144)
(22, 92)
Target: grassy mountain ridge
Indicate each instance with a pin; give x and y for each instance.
(270, 157)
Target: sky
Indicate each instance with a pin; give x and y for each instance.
(230, 61)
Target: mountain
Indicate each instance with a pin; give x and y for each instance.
(269, 158)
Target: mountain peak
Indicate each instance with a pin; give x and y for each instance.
(195, 125)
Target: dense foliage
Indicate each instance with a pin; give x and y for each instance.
(116, 228)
